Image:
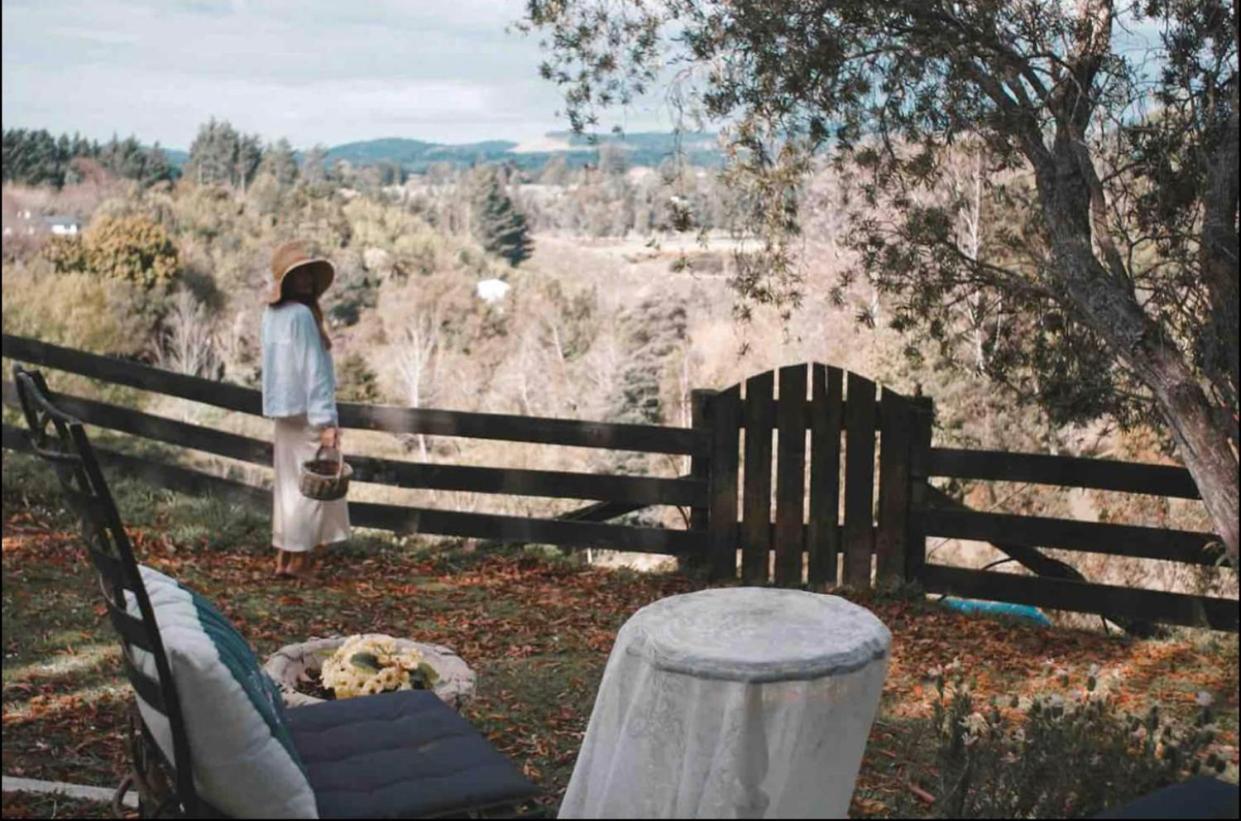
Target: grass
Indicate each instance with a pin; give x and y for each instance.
(536, 628)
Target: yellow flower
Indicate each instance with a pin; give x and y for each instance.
(348, 678)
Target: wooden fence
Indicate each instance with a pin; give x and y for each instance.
(809, 509)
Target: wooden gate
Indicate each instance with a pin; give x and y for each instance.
(797, 534)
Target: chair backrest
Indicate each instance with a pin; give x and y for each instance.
(61, 441)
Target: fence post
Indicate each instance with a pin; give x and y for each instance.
(921, 417)
(699, 468)
(894, 447)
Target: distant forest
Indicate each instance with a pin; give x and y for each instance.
(38, 157)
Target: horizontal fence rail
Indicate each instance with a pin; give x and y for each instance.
(1067, 471)
(402, 519)
(813, 503)
(1058, 585)
(1068, 534)
(641, 490)
(616, 495)
(504, 427)
(1171, 608)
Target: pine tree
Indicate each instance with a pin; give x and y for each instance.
(280, 162)
(495, 220)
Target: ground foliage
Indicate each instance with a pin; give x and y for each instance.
(537, 628)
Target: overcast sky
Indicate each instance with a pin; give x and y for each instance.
(328, 71)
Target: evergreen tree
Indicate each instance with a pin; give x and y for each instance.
(495, 220)
(246, 158)
(222, 155)
(314, 165)
(212, 153)
(280, 161)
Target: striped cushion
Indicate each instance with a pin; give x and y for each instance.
(243, 756)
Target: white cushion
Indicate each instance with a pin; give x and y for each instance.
(241, 751)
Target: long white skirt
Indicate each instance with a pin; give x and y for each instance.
(298, 523)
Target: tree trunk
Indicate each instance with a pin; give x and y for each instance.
(1108, 306)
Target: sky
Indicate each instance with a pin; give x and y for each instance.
(315, 71)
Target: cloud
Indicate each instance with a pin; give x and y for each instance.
(315, 71)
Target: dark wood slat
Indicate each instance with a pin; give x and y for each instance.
(421, 520)
(1067, 471)
(1103, 599)
(641, 490)
(922, 419)
(163, 429)
(133, 374)
(722, 529)
(547, 431)
(700, 469)
(790, 475)
(894, 442)
(806, 414)
(569, 432)
(1028, 557)
(859, 481)
(402, 519)
(508, 481)
(756, 492)
(1067, 534)
(184, 480)
(823, 538)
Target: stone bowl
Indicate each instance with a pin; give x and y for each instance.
(291, 663)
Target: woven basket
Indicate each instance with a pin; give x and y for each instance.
(325, 479)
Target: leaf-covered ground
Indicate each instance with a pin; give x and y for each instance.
(537, 630)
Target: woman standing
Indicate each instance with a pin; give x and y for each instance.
(299, 392)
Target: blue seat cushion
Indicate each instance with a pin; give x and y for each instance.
(399, 755)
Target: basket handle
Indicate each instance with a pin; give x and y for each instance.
(340, 458)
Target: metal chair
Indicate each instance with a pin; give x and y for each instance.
(365, 757)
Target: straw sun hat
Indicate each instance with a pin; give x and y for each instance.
(290, 257)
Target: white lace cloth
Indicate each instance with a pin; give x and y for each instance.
(732, 703)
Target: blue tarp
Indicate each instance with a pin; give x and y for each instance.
(1020, 611)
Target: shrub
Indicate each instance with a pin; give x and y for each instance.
(356, 381)
(131, 248)
(77, 310)
(1052, 756)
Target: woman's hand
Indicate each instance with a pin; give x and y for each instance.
(330, 437)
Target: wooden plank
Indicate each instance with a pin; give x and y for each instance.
(401, 519)
(894, 443)
(163, 429)
(504, 427)
(1103, 599)
(790, 475)
(414, 520)
(1067, 534)
(185, 480)
(700, 470)
(922, 419)
(642, 490)
(823, 538)
(756, 493)
(859, 481)
(133, 374)
(722, 529)
(548, 431)
(807, 411)
(1067, 471)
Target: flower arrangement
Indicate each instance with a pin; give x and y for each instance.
(371, 663)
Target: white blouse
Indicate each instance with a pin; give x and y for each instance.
(297, 369)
